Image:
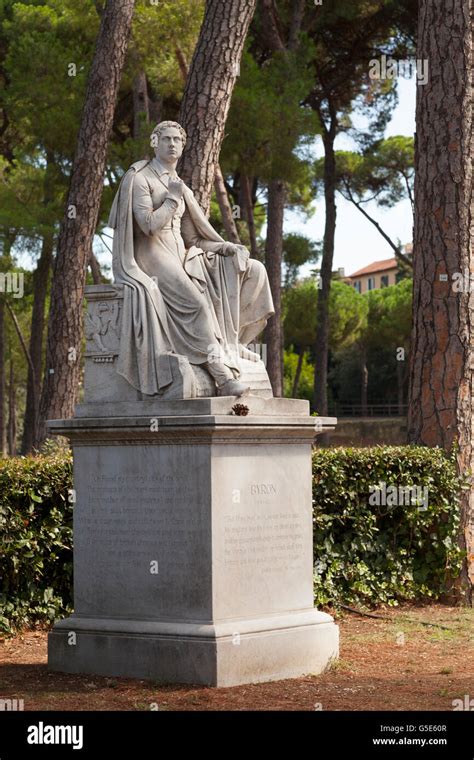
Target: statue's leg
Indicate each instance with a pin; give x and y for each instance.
(190, 323)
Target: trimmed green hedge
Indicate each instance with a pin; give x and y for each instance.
(35, 539)
(370, 553)
(364, 553)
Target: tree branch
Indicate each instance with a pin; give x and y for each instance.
(296, 23)
(271, 32)
(398, 254)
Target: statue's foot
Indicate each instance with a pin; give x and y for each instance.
(233, 388)
(246, 353)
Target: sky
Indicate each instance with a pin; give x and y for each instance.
(358, 243)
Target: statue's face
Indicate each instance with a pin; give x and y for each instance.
(170, 145)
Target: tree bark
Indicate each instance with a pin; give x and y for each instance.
(277, 192)
(321, 349)
(273, 259)
(299, 367)
(219, 183)
(95, 269)
(225, 207)
(141, 109)
(11, 412)
(247, 207)
(207, 95)
(442, 356)
(364, 382)
(182, 62)
(33, 388)
(62, 370)
(400, 386)
(35, 349)
(3, 440)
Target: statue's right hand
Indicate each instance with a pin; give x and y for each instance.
(176, 188)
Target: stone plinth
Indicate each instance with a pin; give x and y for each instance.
(193, 557)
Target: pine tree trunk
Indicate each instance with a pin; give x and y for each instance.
(33, 389)
(12, 412)
(40, 289)
(219, 184)
(141, 108)
(400, 386)
(277, 193)
(247, 206)
(364, 386)
(62, 370)
(299, 367)
(442, 355)
(273, 259)
(207, 95)
(321, 349)
(225, 207)
(3, 440)
(95, 269)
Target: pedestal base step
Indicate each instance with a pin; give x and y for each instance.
(229, 654)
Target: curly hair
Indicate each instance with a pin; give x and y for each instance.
(168, 125)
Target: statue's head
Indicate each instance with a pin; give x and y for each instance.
(168, 140)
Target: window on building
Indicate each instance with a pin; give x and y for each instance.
(371, 283)
(384, 281)
(357, 286)
(399, 276)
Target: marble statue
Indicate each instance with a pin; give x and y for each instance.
(188, 292)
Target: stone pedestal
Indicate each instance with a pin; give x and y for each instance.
(193, 557)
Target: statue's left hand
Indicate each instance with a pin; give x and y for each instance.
(232, 249)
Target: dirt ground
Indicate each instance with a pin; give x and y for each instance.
(394, 664)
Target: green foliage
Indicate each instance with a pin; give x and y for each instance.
(36, 539)
(389, 315)
(297, 251)
(388, 329)
(266, 121)
(158, 30)
(270, 130)
(347, 315)
(43, 100)
(369, 554)
(306, 381)
(384, 173)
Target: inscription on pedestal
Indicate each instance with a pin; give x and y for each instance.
(264, 533)
(139, 544)
(267, 542)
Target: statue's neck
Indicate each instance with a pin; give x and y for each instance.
(165, 166)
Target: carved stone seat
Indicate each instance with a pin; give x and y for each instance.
(102, 383)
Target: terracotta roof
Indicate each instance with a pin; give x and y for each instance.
(376, 266)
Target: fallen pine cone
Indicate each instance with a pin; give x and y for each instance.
(240, 410)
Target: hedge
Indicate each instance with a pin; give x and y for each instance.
(370, 553)
(364, 553)
(35, 539)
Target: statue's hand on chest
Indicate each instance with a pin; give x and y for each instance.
(158, 194)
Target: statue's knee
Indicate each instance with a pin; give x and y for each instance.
(256, 267)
